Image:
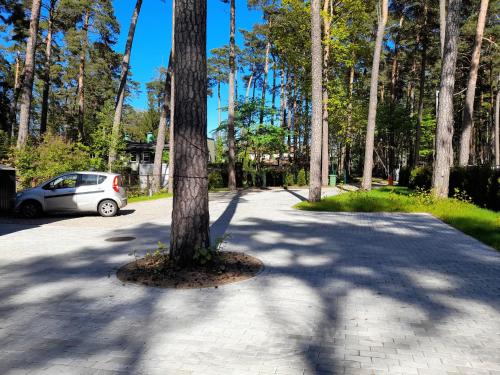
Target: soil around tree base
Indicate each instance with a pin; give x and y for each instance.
(159, 271)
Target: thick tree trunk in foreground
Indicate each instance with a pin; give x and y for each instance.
(190, 216)
(316, 120)
(29, 73)
(120, 98)
(372, 107)
(231, 170)
(325, 155)
(81, 77)
(467, 120)
(497, 127)
(444, 130)
(46, 71)
(160, 139)
(171, 141)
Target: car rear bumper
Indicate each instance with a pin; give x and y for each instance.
(122, 202)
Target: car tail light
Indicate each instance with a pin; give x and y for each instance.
(116, 184)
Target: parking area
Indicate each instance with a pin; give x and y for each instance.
(341, 293)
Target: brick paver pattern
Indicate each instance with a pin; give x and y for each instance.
(341, 293)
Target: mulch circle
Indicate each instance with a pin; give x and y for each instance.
(158, 271)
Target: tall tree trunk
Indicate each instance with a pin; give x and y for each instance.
(231, 170)
(29, 73)
(273, 95)
(219, 104)
(442, 24)
(497, 126)
(471, 86)
(348, 135)
(15, 97)
(316, 120)
(162, 129)
(120, 97)
(372, 107)
(171, 140)
(325, 155)
(283, 94)
(264, 83)
(190, 216)
(46, 70)
(444, 130)
(249, 86)
(81, 76)
(421, 94)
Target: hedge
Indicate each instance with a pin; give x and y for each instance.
(480, 183)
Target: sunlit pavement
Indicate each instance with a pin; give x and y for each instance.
(340, 293)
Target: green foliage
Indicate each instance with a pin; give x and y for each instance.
(289, 179)
(215, 180)
(204, 256)
(53, 156)
(470, 219)
(421, 177)
(301, 178)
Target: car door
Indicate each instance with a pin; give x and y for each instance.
(59, 194)
(89, 190)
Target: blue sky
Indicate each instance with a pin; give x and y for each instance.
(152, 40)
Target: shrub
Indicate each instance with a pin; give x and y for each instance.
(421, 177)
(301, 178)
(215, 180)
(53, 156)
(480, 183)
(289, 180)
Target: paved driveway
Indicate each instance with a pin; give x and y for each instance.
(341, 293)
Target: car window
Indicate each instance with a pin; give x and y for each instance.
(88, 179)
(101, 179)
(63, 182)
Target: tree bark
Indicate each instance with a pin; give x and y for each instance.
(264, 83)
(29, 73)
(442, 24)
(316, 119)
(325, 155)
(171, 140)
(190, 215)
(497, 126)
(120, 97)
(15, 97)
(249, 86)
(372, 107)
(231, 170)
(219, 104)
(467, 121)
(421, 94)
(81, 76)
(273, 95)
(46, 70)
(160, 139)
(444, 130)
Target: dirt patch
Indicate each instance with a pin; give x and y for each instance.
(159, 271)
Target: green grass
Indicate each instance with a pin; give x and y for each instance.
(477, 222)
(142, 198)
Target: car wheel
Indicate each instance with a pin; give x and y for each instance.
(31, 209)
(107, 208)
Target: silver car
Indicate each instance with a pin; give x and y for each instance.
(74, 192)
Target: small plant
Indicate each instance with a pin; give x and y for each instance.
(289, 180)
(423, 197)
(209, 254)
(301, 178)
(461, 196)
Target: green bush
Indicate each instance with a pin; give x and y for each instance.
(53, 156)
(421, 177)
(215, 180)
(289, 180)
(301, 178)
(480, 183)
